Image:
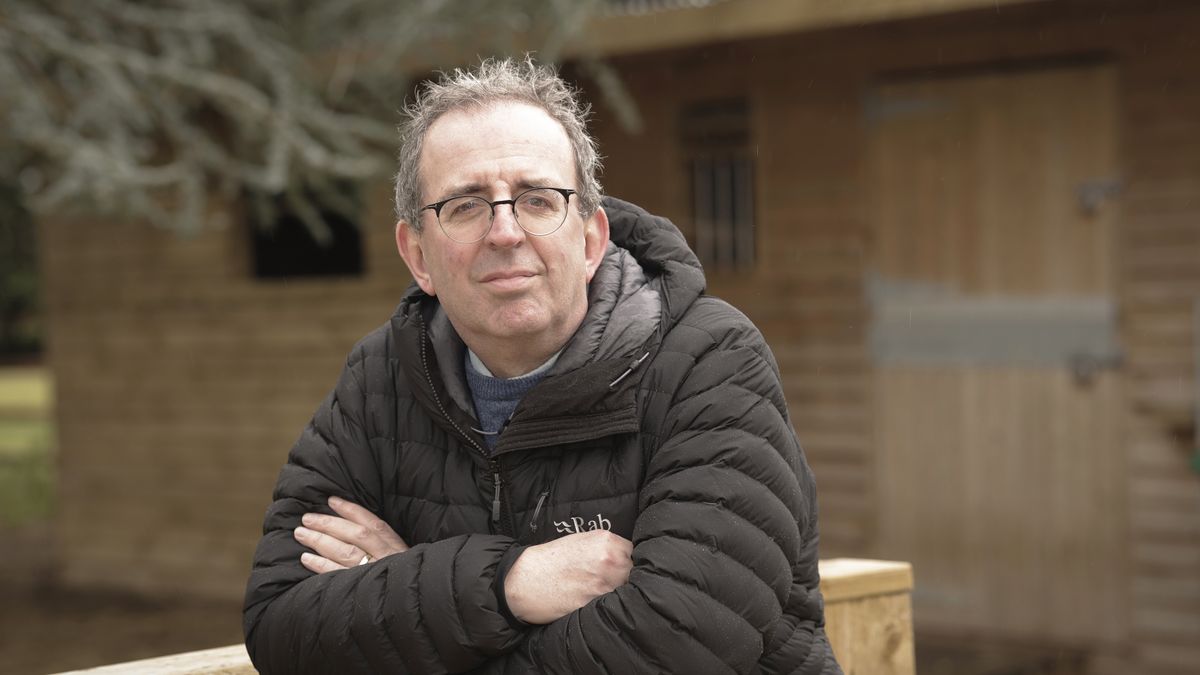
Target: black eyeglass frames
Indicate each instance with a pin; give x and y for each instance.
(540, 211)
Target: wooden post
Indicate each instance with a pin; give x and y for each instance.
(868, 615)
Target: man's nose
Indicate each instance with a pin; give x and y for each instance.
(505, 230)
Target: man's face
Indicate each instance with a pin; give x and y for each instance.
(510, 287)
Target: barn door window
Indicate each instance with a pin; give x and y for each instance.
(717, 145)
(308, 234)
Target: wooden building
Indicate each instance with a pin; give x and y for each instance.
(970, 231)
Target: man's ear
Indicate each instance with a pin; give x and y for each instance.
(408, 242)
(595, 240)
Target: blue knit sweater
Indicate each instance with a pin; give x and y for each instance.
(496, 398)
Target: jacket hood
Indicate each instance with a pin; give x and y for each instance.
(647, 279)
(661, 250)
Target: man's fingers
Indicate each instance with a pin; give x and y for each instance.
(319, 565)
(351, 511)
(338, 528)
(331, 548)
(344, 541)
(373, 528)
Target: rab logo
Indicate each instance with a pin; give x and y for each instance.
(577, 524)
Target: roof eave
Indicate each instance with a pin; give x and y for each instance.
(743, 19)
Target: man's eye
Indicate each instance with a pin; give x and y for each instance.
(464, 208)
(537, 202)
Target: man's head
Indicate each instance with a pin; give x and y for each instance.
(519, 292)
(494, 81)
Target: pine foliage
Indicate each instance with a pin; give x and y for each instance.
(172, 110)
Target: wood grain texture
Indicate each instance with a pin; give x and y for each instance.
(231, 660)
(1003, 484)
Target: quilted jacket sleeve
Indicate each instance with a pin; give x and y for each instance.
(368, 618)
(725, 547)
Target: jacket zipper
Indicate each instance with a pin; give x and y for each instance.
(537, 511)
(493, 464)
(496, 499)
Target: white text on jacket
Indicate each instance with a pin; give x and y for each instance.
(577, 524)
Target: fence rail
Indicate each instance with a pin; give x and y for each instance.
(868, 616)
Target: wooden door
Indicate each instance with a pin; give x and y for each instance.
(997, 389)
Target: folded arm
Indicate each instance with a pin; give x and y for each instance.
(369, 618)
(724, 575)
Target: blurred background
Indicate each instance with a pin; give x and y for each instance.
(970, 230)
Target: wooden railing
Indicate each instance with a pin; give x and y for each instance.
(868, 616)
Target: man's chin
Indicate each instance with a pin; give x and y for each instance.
(518, 327)
(525, 319)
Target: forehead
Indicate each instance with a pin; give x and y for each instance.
(506, 142)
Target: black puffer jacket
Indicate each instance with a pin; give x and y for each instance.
(663, 420)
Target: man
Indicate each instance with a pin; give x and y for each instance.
(558, 455)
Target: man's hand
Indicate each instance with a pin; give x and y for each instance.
(553, 579)
(358, 537)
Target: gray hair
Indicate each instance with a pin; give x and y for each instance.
(495, 80)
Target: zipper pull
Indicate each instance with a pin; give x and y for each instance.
(496, 499)
(633, 365)
(536, 511)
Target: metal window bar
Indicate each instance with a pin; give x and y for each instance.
(715, 137)
(743, 190)
(723, 209)
(702, 191)
(1196, 386)
(723, 213)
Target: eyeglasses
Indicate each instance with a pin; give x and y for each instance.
(539, 211)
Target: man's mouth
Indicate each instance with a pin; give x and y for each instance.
(508, 279)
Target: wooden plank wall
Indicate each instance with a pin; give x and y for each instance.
(1160, 282)
(182, 383)
(807, 293)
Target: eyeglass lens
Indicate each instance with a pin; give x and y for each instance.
(538, 212)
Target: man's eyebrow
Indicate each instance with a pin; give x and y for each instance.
(535, 183)
(478, 188)
(462, 189)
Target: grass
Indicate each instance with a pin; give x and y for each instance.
(26, 447)
(25, 388)
(23, 435)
